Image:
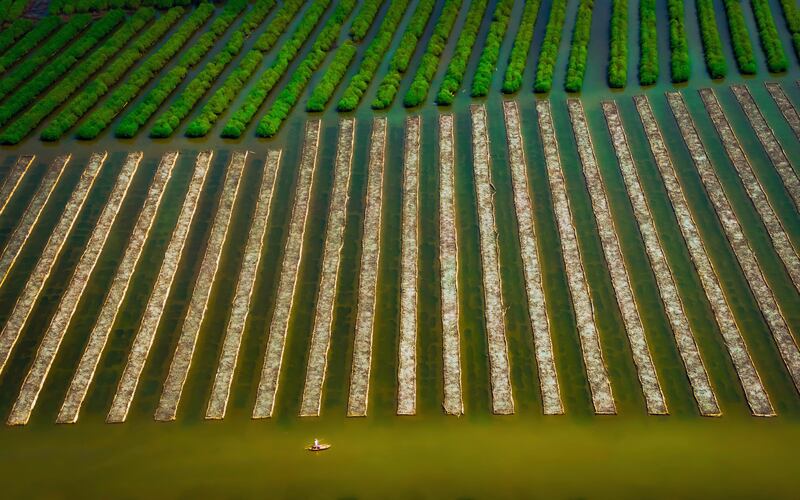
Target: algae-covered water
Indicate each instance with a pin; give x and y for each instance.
(428, 455)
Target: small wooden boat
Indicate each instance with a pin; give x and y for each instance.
(317, 446)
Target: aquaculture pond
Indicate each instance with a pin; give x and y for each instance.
(415, 401)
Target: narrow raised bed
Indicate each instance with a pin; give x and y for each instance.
(12, 180)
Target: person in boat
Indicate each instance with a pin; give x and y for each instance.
(316, 444)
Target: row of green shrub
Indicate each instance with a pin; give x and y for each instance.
(332, 77)
(59, 94)
(487, 64)
(579, 51)
(791, 14)
(648, 43)
(740, 37)
(10, 10)
(255, 98)
(144, 74)
(712, 43)
(97, 88)
(136, 118)
(290, 94)
(372, 57)
(512, 81)
(398, 64)
(28, 42)
(52, 73)
(363, 20)
(680, 65)
(548, 54)
(454, 74)
(14, 32)
(418, 91)
(768, 33)
(71, 6)
(618, 45)
(184, 103)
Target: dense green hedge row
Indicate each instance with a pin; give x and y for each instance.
(29, 42)
(363, 20)
(618, 45)
(14, 32)
(288, 97)
(185, 102)
(579, 52)
(792, 15)
(136, 118)
(10, 10)
(332, 77)
(59, 94)
(487, 64)
(740, 37)
(201, 125)
(512, 81)
(768, 33)
(548, 54)
(71, 6)
(373, 57)
(458, 61)
(398, 65)
(648, 43)
(51, 73)
(144, 74)
(235, 82)
(97, 88)
(712, 43)
(680, 65)
(418, 91)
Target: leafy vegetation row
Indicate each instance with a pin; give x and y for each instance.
(458, 61)
(97, 88)
(363, 20)
(332, 77)
(618, 49)
(224, 95)
(14, 32)
(648, 43)
(548, 54)
(10, 10)
(30, 41)
(768, 33)
(60, 65)
(131, 123)
(59, 94)
(280, 109)
(398, 64)
(185, 102)
(71, 6)
(201, 125)
(740, 37)
(712, 44)
(792, 15)
(512, 81)
(125, 93)
(579, 52)
(680, 65)
(373, 56)
(487, 64)
(418, 91)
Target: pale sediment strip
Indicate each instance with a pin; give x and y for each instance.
(90, 358)
(59, 324)
(407, 349)
(599, 384)
(771, 145)
(785, 106)
(542, 343)
(182, 358)
(33, 287)
(620, 280)
(13, 179)
(753, 186)
(31, 215)
(500, 372)
(744, 254)
(448, 263)
(681, 330)
(368, 274)
(334, 239)
(140, 349)
(244, 291)
(279, 326)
